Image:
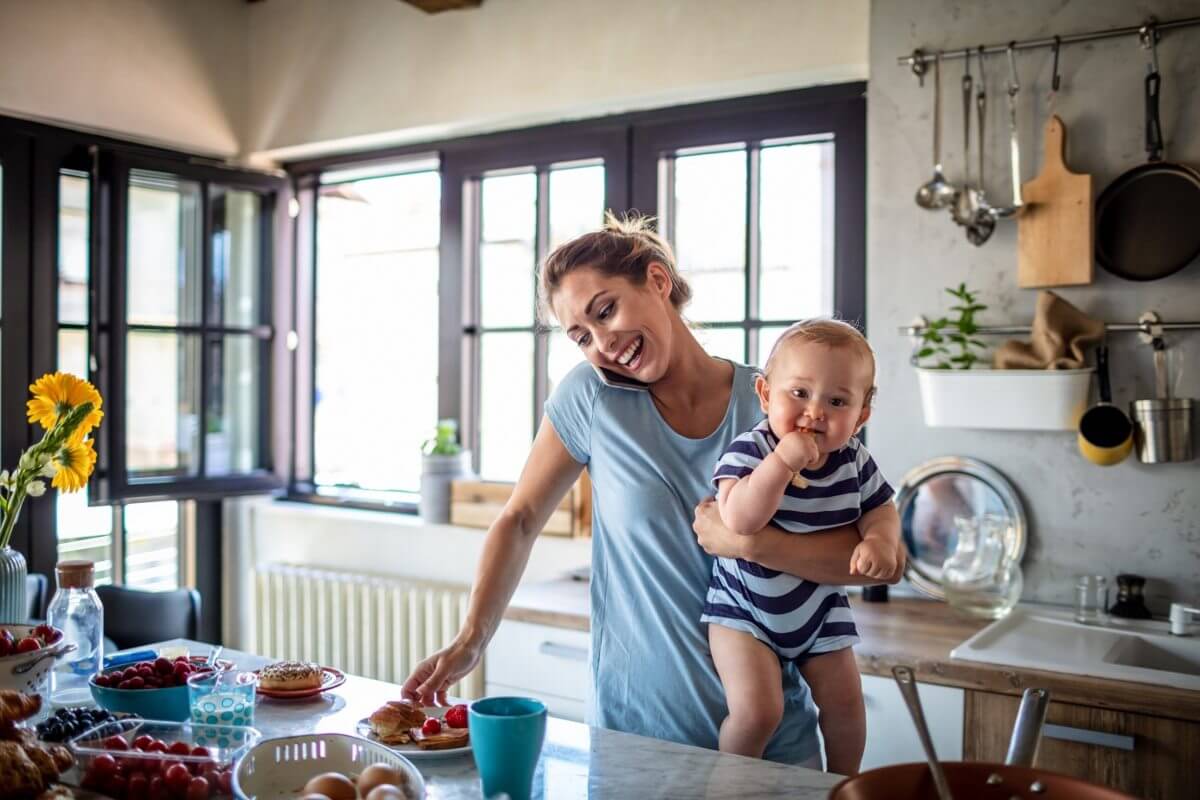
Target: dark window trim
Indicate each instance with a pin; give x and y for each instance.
(632, 140)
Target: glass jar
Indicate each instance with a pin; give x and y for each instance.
(981, 578)
(77, 612)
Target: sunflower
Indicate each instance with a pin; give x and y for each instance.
(75, 462)
(55, 395)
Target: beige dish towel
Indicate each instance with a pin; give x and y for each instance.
(1061, 334)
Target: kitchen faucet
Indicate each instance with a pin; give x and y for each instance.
(1180, 617)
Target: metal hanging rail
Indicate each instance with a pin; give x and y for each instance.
(918, 59)
(1120, 327)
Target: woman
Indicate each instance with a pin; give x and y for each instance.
(649, 416)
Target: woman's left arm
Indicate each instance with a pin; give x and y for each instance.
(819, 557)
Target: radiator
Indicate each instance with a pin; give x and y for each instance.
(377, 627)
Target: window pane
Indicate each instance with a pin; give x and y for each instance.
(85, 532)
(507, 253)
(563, 356)
(73, 249)
(152, 545)
(505, 404)
(796, 231)
(162, 414)
(164, 258)
(576, 202)
(231, 427)
(236, 257)
(709, 232)
(727, 343)
(72, 352)
(377, 282)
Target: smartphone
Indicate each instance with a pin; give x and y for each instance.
(617, 381)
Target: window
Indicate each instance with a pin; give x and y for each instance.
(376, 329)
(185, 364)
(752, 226)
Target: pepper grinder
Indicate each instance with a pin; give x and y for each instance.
(1131, 602)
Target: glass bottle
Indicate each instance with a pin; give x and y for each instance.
(76, 611)
(981, 578)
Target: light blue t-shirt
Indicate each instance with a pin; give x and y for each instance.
(652, 673)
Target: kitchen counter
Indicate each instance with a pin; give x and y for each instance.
(577, 761)
(918, 633)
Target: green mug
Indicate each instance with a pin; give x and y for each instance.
(506, 739)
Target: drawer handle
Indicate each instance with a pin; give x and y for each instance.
(555, 650)
(1084, 736)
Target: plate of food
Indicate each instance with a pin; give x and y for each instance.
(418, 733)
(291, 680)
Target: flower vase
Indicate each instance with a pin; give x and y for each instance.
(14, 603)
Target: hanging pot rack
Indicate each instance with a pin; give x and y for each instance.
(919, 59)
(1145, 326)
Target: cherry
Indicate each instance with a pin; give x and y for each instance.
(431, 726)
(179, 748)
(177, 778)
(28, 645)
(163, 667)
(157, 746)
(197, 789)
(103, 765)
(115, 743)
(138, 786)
(157, 790)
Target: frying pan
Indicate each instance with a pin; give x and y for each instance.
(1105, 433)
(975, 780)
(1146, 219)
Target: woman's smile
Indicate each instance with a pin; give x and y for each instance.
(631, 356)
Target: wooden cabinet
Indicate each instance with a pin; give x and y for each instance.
(1151, 757)
(889, 723)
(540, 661)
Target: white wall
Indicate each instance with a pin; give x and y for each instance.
(380, 71)
(1128, 518)
(166, 71)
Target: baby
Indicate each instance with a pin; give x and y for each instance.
(801, 469)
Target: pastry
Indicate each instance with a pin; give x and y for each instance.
(391, 721)
(57, 792)
(19, 776)
(16, 706)
(447, 739)
(290, 676)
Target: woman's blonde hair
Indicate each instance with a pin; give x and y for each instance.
(624, 247)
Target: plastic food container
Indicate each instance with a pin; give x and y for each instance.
(124, 759)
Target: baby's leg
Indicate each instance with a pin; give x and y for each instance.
(837, 691)
(753, 683)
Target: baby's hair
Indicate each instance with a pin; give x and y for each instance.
(832, 333)
(623, 247)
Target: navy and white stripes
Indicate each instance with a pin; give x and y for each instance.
(792, 616)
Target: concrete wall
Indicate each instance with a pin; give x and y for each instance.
(1131, 517)
(375, 72)
(171, 72)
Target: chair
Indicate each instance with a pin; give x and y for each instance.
(135, 617)
(35, 591)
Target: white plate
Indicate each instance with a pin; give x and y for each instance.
(411, 750)
(279, 768)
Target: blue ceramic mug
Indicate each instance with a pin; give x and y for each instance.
(506, 738)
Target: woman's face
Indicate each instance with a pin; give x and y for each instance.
(619, 326)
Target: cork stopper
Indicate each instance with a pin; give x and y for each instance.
(76, 574)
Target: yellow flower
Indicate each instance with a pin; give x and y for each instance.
(75, 462)
(55, 395)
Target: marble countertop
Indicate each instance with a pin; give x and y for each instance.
(577, 761)
(915, 632)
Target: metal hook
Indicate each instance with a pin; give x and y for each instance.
(918, 65)
(1014, 85)
(1054, 69)
(1148, 36)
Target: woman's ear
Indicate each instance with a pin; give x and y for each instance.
(659, 279)
(763, 390)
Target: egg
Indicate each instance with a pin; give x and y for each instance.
(333, 785)
(314, 797)
(378, 775)
(386, 791)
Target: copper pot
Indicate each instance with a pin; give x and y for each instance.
(973, 780)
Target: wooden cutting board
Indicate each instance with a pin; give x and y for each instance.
(1054, 231)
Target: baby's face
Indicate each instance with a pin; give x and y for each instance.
(822, 389)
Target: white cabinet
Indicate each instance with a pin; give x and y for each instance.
(891, 737)
(540, 661)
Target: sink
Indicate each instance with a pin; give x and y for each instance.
(1047, 638)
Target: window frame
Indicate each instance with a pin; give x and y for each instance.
(630, 145)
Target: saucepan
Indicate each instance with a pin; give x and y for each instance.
(1016, 778)
(1105, 433)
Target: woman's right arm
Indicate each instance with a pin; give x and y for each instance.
(549, 472)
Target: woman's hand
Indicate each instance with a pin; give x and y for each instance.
(427, 684)
(713, 536)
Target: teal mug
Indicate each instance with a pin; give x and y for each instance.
(506, 739)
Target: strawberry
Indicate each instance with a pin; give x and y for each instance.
(431, 726)
(456, 716)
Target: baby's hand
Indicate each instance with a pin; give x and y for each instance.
(873, 559)
(798, 450)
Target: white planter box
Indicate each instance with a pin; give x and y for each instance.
(1012, 399)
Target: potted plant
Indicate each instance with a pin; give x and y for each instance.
(68, 409)
(443, 461)
(959, 390)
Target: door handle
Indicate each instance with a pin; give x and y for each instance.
(1068, 733)
(565, 651)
